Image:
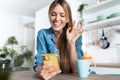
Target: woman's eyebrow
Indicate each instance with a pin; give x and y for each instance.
(59, 12)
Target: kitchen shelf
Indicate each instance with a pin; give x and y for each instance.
(101, 6)
(103, 24)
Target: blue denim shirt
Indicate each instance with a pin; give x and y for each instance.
(46, 44)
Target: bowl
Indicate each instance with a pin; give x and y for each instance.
(101, 17)
(114, 15)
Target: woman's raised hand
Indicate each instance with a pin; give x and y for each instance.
(47, 71)
(74, 33)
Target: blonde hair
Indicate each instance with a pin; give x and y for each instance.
(63, 44)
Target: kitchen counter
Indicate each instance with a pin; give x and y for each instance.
(109, 65)
(30, 75)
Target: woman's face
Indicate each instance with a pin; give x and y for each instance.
(58, 18)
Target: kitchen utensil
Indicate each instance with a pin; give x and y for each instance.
(103, 42)
(117, 30)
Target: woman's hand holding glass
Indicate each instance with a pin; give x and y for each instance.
(47, 71)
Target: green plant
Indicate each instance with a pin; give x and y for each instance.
(80, 10)
(9, 50)
(26, 52)
(81, 7)
(19, 60)
(12, 40)
(26, 55)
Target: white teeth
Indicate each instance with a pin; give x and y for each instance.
(57, 24)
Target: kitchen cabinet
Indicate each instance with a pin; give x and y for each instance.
(104, 23)
(101, 6)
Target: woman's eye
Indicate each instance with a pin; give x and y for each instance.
(62, 15)
(53, 14)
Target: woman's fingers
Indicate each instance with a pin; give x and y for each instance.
(48, 71)
(76, 27)
(54, 69)
(47, 66)
(44, 74)
(48, 75)
(68, 30)
(52, 74)
(79, 28)
(58, 71)
(74, 22)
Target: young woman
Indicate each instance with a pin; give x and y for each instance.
(64, 36)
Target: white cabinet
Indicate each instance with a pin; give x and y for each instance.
(104, 23)
(101, 6)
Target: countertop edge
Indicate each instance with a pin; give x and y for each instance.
(108, 65)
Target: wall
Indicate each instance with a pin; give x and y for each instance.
(12, 24)
(22, 27)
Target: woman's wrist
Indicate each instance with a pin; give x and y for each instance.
(71, 43)
(38, 71)
(38, 68)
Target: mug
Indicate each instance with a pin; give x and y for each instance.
(83, 68)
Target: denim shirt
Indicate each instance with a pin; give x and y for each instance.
(46, 44)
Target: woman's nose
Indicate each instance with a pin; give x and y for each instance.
(57, 17)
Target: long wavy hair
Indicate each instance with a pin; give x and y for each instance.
(63, 44)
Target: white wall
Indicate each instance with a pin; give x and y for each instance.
(42, 20)
(12, 24)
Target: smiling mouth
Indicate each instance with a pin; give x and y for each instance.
(56, 24)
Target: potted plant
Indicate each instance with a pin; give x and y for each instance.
(25, 56)
(80, 10)
(10, 50)
(17, 59)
